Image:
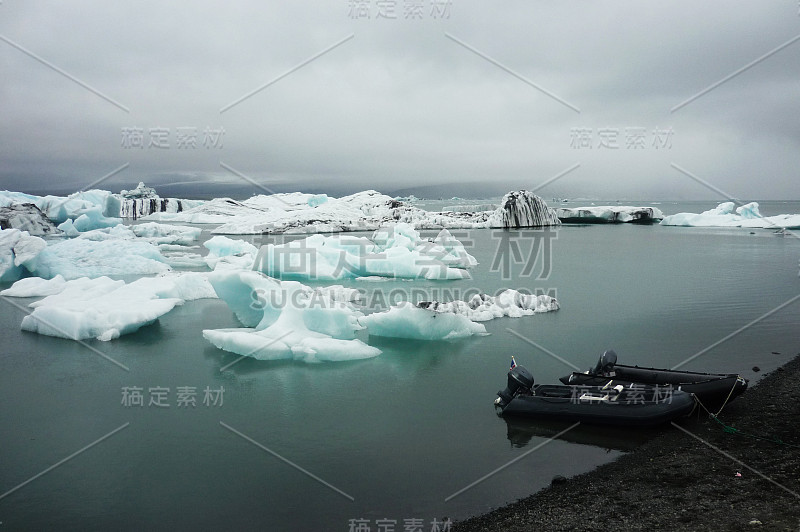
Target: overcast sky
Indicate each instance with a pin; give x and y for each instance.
(458, 93)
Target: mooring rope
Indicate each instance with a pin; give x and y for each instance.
(733, 430)
(729, 395)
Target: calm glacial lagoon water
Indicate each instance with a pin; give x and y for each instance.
(393, 437)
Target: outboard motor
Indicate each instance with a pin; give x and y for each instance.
(606, 363)
(519, 380)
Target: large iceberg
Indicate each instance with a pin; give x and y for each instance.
(134, 203)
(728, 215)
(102, 308)
(364, 211)
(59, 209)
(407, 321)
(395, 251)
(26, 217)
(281, 213)
(18, 253)
(286, 320)
(524, 209)
(609, 214)
(143, 201)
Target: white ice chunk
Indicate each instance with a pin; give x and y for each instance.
(609, 214)
(723, 215)
(407, 321)
(91, 218)
(81, 257)
(157, 233)
(103, 308)
(395, 251)
(508, 303)
(229, 253)
(97, 308)
(289, 320)
(35, 287)
(19, 252)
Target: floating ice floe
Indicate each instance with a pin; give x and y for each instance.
(159, 234)
(89, 219)
(119, 250)
(228, 253)
(82, 257)
(728, 215)
(609, 214)
(18, 253)
(36, 287)
(102, 308)
(407, 321)
(396, 251)
(483, 307)
(286, 320)
(432, 320)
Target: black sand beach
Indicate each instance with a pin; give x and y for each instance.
(683, 481)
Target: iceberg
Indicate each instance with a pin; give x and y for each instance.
(609, 214)
(143, 201)
(36, 287)
(60, 209)
(228, 253)
(97, 205)
(364, 211)
(407, 321)
(726, 214)
(523, 209)
(119, 250)
(81, 257)
(95, 308)
(282, 213)
(286, 320)
(162, 234)
(18, 253)
(432, 320)
(395, 251)
(90, 218)
(26, 217)
(102, 308)
(483, 307)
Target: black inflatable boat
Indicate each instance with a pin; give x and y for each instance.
(712, 389)
(634, 405)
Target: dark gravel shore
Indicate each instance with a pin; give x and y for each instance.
(678, 482)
